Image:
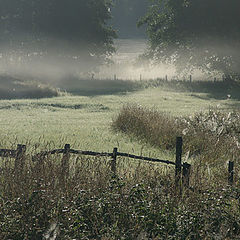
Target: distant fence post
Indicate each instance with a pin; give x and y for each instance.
(230, 172)
(223, 78)
(190, 78)
(65, 161)
(20, 159)
(166, 78)
(114, 162)
(178, 166)
(186, 174)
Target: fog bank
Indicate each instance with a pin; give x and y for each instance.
(58, 60)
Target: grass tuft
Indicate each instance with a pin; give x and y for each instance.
(212, 136)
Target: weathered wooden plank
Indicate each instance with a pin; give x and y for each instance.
(114, 161)
(178, 168)
(145, 158)
(65, 161)
(20, 158)
(186, 174)
(230, 172)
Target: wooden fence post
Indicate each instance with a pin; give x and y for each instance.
(230, 172)
(114, 162)
(65, 161)
(178, 168)
(186, 174)
(190, 78)
(166, 78)
(20, 160)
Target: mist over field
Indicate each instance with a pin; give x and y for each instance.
(61, 59)
(34, 46)
(119, 119)
(50, 62)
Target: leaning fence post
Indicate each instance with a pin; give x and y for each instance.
(114, 161)
(20, 161)
(178, 163)
(186, 174)
(65, 161)
(230, 172)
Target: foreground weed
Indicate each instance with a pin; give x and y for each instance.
(91, 204)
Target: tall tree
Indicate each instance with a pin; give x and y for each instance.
(196, 33)
(83, 22)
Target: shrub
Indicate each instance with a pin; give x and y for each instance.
(212, 136)
(12, 88)
(158, 129)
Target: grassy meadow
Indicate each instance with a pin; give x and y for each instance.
(85, 121)
(141, 118)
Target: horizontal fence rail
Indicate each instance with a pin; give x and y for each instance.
(100, 154)
(182, 170)
(72, 151)
(145, 158)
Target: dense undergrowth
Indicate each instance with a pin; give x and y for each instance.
(91, 204)
(212, 137)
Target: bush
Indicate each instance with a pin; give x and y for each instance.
(12, 88)
(158, 129)
(213, 136)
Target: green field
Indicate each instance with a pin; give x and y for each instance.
(141, 201)
(85, 121)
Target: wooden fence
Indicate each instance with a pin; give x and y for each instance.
(168, 78)
(182, 170)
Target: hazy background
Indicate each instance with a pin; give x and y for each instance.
(49, 40)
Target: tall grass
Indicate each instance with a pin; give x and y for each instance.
(213, 137)
(141, 202)
(91, 204)
(147, 125)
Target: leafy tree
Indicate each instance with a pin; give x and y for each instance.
(82, 22)
(195, 33)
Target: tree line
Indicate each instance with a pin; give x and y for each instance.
(78, 21)
(188, 33)
(199, 34)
